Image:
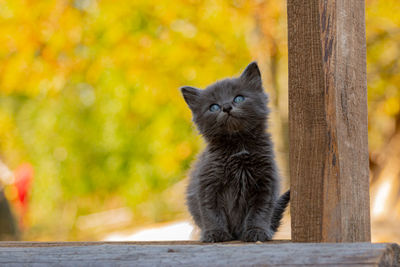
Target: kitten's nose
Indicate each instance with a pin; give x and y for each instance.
(226, 108)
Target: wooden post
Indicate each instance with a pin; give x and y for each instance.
(328, 121)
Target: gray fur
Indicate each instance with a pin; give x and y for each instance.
(234, 186)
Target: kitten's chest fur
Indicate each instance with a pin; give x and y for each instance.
(233, 200)
(242, 172)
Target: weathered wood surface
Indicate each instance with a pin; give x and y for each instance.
(328, 121)
(197, 254)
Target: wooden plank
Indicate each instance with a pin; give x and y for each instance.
(328, 121)
(166, 254)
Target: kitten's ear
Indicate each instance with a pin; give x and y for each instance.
(191, 96)
(252, 75)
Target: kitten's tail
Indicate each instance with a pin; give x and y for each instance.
(279, 208)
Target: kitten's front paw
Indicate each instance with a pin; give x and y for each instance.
(257, 234)
(212, 236)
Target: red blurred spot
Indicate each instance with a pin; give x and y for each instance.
(23, 181)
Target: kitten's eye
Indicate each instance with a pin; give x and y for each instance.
(238, 99)
(214, 107)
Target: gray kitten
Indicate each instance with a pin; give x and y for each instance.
(234, 186)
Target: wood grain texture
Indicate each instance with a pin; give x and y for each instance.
(185, 254)
(328, 121)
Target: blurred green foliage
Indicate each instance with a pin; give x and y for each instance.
(89, 95)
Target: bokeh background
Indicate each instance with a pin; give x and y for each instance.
(95, 137)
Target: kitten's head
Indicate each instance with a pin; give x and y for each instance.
(229, 107)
